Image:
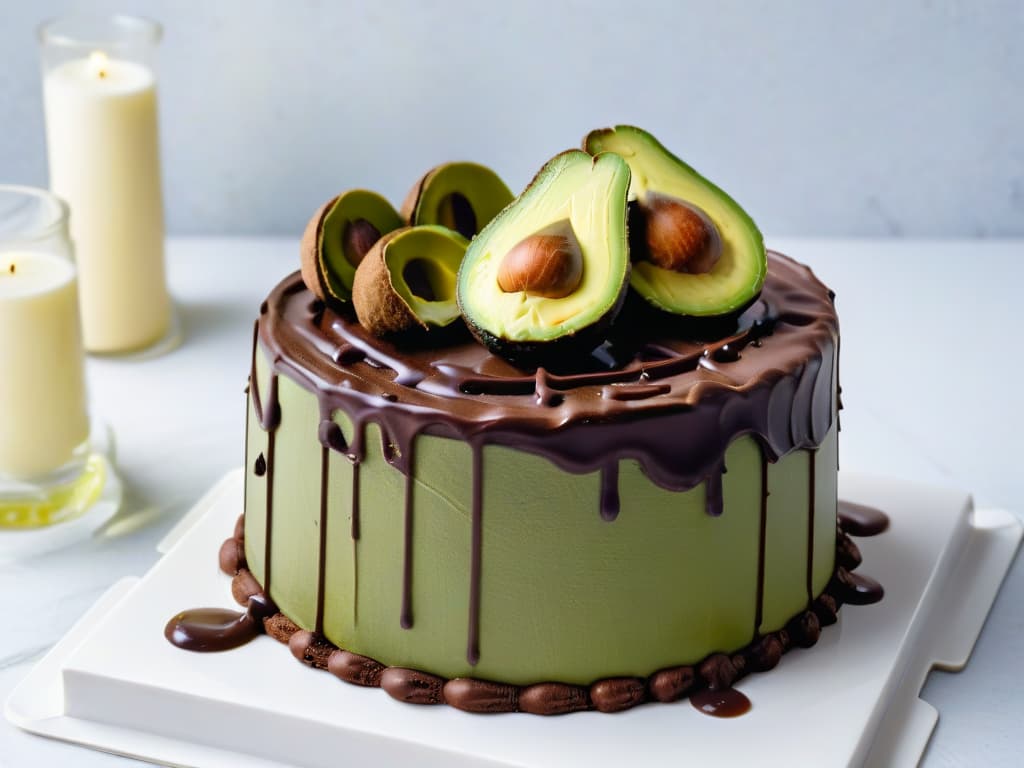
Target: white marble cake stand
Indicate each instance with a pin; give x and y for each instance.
(114, 684)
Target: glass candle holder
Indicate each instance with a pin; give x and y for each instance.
(100, 100)
(44, 421)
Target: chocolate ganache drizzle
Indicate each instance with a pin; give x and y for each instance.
(770, 376)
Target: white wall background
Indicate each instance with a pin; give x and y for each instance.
(822, 118)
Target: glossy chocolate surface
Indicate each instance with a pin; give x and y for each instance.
(778, 355)
(218, 629)
(725, 702)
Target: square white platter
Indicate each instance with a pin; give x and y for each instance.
(115, 684)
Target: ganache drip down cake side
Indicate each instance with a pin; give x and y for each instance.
(641, 508)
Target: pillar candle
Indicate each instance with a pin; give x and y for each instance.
(101, 130)
(43, 413)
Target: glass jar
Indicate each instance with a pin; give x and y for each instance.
(44, 421)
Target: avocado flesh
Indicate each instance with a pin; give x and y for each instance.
(436, 252)
(740, 271)
(351, 206)
(446, 191)
(591, 194)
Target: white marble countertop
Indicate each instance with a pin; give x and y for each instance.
(931, 365)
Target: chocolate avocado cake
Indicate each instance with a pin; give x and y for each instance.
(508, 522)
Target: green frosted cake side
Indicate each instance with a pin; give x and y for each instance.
(372, 533)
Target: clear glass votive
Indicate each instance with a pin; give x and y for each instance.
(100, 102)
(45, 471)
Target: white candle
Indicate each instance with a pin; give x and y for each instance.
(101, 130)
(43, 416)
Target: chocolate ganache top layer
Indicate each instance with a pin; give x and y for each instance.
(653, 392)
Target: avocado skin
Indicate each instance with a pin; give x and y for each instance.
(561, 351)
(488, 195)
(312, 267)
(325, 268)
(631, 142)
(380, 308)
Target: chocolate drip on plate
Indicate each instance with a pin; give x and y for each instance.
(724, 702)
(210, 629)
(218, 629)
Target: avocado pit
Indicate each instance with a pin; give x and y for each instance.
(456, 213)
(417, 276)
(548, 263)
(678, 236)
(357, 239)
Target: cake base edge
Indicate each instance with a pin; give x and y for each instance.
(718, 671)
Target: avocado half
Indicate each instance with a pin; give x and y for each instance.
(338, 237)
(461, 196)
(725, 284)
(550, 272)
(407, 281)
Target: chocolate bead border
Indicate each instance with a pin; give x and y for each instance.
(614, 694)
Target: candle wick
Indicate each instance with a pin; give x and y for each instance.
(102, 73)
(12, 268)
